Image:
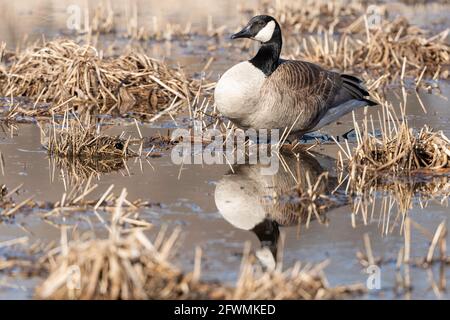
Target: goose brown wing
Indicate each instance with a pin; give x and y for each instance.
(309, 90)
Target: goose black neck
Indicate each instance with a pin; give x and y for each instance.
(268, 56)
(268, 233)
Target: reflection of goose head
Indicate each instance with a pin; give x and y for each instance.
(251, 201)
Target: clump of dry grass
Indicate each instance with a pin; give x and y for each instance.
(65, 73)
(76, 138)
(127, 265)
(313, 15)
(404, 151)
(299, 282)
(78, 169)
(382, 53)
(400, 150)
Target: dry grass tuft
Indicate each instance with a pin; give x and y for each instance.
(314, 15)
(307, 282)
(382, 51)
(127, 265)
(79, 169)
(76, 138)
(400, 150)
(65, 73)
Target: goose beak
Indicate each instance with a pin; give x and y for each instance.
(244, 33)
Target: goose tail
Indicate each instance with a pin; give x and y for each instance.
(355, 87)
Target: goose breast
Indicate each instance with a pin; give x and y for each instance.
(237, 92)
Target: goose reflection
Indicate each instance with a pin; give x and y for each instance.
(261, 203)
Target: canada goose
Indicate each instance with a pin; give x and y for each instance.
(267, 92)
(245, 198)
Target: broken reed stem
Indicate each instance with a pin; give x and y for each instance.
(439, 238)
(407, 237)
(369, 253)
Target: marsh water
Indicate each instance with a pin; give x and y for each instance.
(209, 203)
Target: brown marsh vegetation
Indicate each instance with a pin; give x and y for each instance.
(82, 138)
(398, 150)
(62, 75)
(76, 75)
(127, 265)
(379, 53)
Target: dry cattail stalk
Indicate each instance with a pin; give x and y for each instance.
(67, 74)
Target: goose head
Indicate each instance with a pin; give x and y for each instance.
(261, 28)
(266, 30)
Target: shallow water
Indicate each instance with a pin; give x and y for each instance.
(187, 197)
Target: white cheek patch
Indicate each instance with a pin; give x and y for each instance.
(265, 34)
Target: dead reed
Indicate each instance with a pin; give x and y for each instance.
(77, 198)
(65, 73)
(313, 16)
(2, 64)
(127, 265)
(82, 138)
(400, 150)
(300, 282)
(387, 200)
(381, 53)
(81, 168)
